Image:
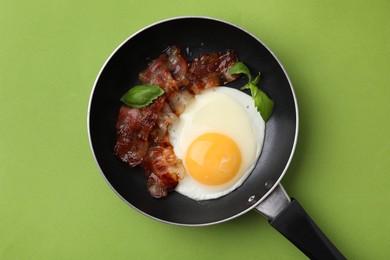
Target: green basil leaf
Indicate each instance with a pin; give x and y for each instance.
(240, 67)
(263, 103)
(247, 86)
(256, 80)
(142, 95)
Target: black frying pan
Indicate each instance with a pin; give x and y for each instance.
(261, 191)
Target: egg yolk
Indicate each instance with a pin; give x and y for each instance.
(213, 159)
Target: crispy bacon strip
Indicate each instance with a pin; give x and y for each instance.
(163, 169)
(168, 71)
(161, 165)
(211, 70)
(132, 131)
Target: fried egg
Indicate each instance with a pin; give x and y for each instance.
(219, 138)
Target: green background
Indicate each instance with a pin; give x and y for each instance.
(54, 203)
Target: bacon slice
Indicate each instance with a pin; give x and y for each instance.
(163, 169)
(132, 131)
(161, 165)
(177, 65)
(211, 70)
(168, 71)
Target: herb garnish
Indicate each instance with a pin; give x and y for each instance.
(262, 102)
(141, 95)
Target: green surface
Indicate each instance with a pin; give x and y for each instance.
(54, 203)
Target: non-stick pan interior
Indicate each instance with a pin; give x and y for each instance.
(193, 35)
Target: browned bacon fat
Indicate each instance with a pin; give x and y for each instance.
(142, 133)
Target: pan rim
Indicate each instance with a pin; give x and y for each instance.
(296, 116)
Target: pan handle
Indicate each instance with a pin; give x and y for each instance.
(291, 220)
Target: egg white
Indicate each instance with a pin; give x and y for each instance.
(226, 111)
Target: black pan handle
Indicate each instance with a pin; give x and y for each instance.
(297, 226)
(292, 221)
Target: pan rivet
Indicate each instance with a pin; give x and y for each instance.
(251, 198)
(269, 184)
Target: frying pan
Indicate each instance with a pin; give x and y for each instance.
(262, 190)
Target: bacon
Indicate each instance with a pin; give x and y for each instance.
(211, 70)
(177, 65)
(168, 71)
(178, 100)
(132, 131)
(142, 134)
(158, 74)
(160, 131)
(163, 169)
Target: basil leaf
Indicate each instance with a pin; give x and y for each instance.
(263, 103)
(256, 80)
(240, 67)
(141, 95)
(247, 86)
